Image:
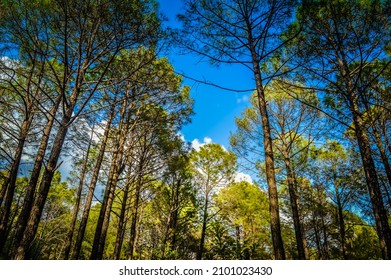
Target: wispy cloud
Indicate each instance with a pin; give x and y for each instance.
(196, 144)
(242, 99)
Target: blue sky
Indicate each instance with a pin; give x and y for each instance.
(215, 109)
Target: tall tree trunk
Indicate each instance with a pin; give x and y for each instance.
(167, 232)
(388, 196)
(121, 222)
(39, 201)
(203, 231)
(317, 241)
(325, 247)
(341, 222)
(314, 217)
(104, 215)
(135, 208)
(379, 211)
(172, 218)
(68, 242)
(299, 234)
(115, 171)
(275, 225)
(33, 182)
(9, 184)
(383, 155)
(105, 221)
(321, 213)
(238, 243)
(133, 226)
(92, 186)
(2, 191)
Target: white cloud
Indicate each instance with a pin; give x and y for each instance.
(196, 144)
(240, 177)
(207, 140)
(243, 99)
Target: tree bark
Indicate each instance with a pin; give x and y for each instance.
(10, 181)
(383, 155)
(33, 182)
(115, 170)
(275, 225)
(121, 222)
(379, 211)
(341, 222)
(203, 231)
(238, 242)
(92, 186)
(104, 215)
(71, 230)
(39, 202)
(172, 218)
(136, 204)
(299, 233)
(133, 225)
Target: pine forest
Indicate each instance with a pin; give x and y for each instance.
(94, 164)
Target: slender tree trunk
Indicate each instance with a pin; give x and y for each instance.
(136, 246)
(14, 214)
(379, 211)
(341, 223)
(275, 225)
(135, 208)
(2, 191)
(383, 155)
(92, 186)
(68, 242)
(9, 184)
(299, 234)
(133, 226)
(104, 215)
(296, 184)
(121, 222)
(203, 231)
(238, 243)
(326, 251)
(115, 171)
(317, 241)
(314, 217)
(341, 219)
(34, 178)
(321, 213)
(51, 167)
(167, 232)
(172, 218)
(388, 196)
